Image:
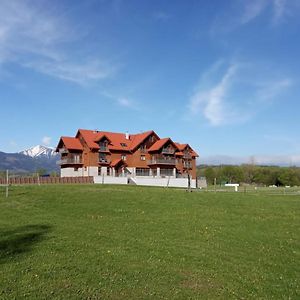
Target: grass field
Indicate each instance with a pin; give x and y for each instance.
(129, 242)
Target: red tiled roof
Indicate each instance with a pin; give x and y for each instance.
(137, 139)
(194, 153)
(70, 143)
(116, 162)
(117, 141)
(89, 136)
(181, 147)
(179, 153)
(101, 137)
(158, 144)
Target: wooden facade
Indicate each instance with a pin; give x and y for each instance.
(118, 154)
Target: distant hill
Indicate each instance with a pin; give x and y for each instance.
(30, 160)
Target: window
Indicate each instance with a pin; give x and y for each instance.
(143, 157)
(76, 169)
(143, 148)
(103, 146)
(123, 156)
(123, 144)
(142, 172)
(102, 157)
(166, 172)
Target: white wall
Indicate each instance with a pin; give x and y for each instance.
(172, 182)
(91, 171)
(110, 180)
(70, 172)
(146, 181)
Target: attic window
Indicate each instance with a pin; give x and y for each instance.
(123, 144)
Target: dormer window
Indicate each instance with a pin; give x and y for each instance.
(143, 148)
(103, 146)
(123, 144)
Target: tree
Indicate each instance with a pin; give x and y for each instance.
(41, 171)
(210, 175)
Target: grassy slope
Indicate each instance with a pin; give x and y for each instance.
(113, 242)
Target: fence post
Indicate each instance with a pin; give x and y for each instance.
(215, 184)
(6, 194)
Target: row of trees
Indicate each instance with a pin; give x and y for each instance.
(251, 174)
(39, 172)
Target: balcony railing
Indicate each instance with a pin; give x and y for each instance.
(187, 166)
(70, 161)
(103, 149)
(187, 155)
(105, 161)
(167, 151)
(161, 161)
(63, 150)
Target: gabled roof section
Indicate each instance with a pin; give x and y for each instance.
(99, 138)
(70, 143)
(179, 153)
(89, 137)
(182, 147)
(117, 162)
(160, 143)
(117, 141)
(137, 139)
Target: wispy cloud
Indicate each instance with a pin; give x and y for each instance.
(237, 95)
(211, 101)
(245, 12)
(125, 102)
(46, 140)
(269, 90)
(279, 10)
(121, 100)
(252, 9)
(161, 16)
(32, 37)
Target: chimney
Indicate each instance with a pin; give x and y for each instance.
(127, 135)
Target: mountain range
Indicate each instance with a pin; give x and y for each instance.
(42, 157)
(30, 160)
(39, 151)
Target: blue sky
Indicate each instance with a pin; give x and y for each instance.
(220, 75)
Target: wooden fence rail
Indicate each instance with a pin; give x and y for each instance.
(47, 180)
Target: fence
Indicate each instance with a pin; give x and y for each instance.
(47, 180)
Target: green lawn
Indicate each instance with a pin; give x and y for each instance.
(129, 242)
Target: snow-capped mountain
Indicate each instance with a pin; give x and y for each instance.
(39, 151)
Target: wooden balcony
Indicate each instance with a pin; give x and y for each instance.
(103, 149)
(187, 156)
(63, 151)
(161, 161)
(104, 161)
(187, 166)
(70, 161)
(167, 151)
